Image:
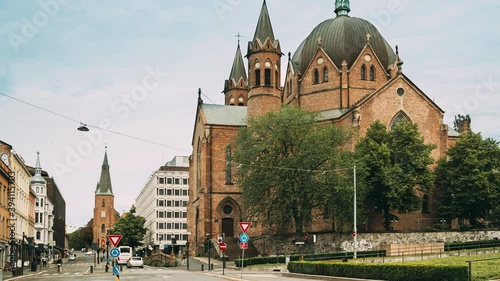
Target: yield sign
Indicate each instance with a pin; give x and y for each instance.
(245, 226)
(115, 239)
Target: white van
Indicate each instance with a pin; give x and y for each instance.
(125, 254)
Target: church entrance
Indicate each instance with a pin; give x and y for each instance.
(228, 227)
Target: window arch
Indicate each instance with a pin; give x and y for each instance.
(400, 117)
(363, 72)
(372, 73)
(325, 74)
(316, 76)
(103, 228)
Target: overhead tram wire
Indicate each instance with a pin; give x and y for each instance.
(157, 143)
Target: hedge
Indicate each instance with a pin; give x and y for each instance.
(391, 272)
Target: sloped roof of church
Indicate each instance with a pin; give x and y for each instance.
(264, 28)
(225, 115)
(238, 70)
(452, 132)
(332, 114)
(104, 185)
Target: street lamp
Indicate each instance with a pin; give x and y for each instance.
(355, 229)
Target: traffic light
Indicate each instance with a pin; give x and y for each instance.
(208, 245)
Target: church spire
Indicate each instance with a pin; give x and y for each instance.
(264, 28)
(238, 70)
(342, 7)
(37, 178)
(104, 185)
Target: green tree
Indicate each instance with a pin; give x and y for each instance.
(290, 166)
(470, 179)
(392, 165)
(131, 227)
(80, 238)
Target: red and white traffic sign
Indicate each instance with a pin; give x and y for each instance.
(245, 226)
(115, 239)
(222, 246)
(354, 233)
(243, 245)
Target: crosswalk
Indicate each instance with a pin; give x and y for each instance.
(86, 272)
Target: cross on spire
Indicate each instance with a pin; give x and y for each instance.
(239, 36)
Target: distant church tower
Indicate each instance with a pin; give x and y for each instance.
(105, 215)
(264, 69)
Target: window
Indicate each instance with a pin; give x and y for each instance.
(257, 77)
(399, 118)
(160, 214)
(184, 226)
(184, 215)
(37, 189)
(169, 192)
(277, 78)
(37, 220)
(267, 77)
(169, 203)
(177, 215)
(103, 214)
(161, 225)
(185, 181)
(160, 191)
(103, 228)
(161, 180)
(363, 72)
(177, 203)
(169, 180)
(372, 73)
(228, 165)
(103, 204)
(169, 215)
(37, 202)
(177, 225)
(177, 181)
(169, 225)
(325, 74)
(184, 237)
(160, 203)
(184, 203)
(38, 235)
(185, 192)
(41, 202)
(177, 192)
(316, 76)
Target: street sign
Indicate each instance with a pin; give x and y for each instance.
(222, 246)
(244, 237)
(116, 270)
(245, 226)
(243, 245)
(114, 253)
(115, 239)
(354, 233)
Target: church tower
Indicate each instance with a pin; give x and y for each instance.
(105, 215)
(236, 87)
(264, 68)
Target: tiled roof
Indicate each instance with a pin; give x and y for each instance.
(225, 115)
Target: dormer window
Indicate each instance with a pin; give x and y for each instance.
(363, 72)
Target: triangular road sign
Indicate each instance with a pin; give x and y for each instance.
(245, 226)
(115, 239)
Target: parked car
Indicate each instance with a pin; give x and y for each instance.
(71, 258)
(89, 253)
(135, 262)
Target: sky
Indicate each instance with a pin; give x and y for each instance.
(133, 68)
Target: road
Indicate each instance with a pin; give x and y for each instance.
(79, 270)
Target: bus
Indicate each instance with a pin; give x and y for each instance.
(125, 254)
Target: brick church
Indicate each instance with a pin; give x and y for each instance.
(344, 69)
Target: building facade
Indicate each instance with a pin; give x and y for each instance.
(6, 181)
(105, 215)
(344, 70)
(163, 203)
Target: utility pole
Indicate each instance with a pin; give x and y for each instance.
(355, 233)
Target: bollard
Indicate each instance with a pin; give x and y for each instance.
(212, 266)
(121, 267)
(202, 267)
(59, 267)
(91, 269)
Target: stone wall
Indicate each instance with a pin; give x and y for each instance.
(328, 243)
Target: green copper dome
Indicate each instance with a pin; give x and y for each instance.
(343, 38)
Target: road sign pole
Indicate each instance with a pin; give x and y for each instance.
(242, 261)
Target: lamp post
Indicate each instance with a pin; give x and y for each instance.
(355, 229)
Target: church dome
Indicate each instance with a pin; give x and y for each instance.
(343, 38)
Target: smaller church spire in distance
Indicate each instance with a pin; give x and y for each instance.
(238, 70)
(342, 7)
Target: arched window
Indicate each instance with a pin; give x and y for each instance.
(372, 73)
(316, 76)
(277, 78)
(399, 118)
(363, 72)
(425, 204)
(228, 165)
(325, 74)
(103, 228)
(240, 101)
(38, 235)
(267, 77)
(257, 77)
(103, 203)
(198, 165)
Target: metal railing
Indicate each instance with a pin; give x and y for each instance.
(472, 261)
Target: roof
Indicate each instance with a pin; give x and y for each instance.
(104, 185)
(343, 38)
(452, 132)
(238, 70)
(264, 28)
(332, 114)
(225, 115)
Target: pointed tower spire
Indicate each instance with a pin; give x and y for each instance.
(104, 186)
(236, 87)
(264, 28)
(342, 7)
(37, 178)
(238, 70)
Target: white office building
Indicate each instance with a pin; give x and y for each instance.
(163, 203)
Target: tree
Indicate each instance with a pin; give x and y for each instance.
(288, 168)
(80, 238)
(392, 165)
(131, 227)
(470, 179)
